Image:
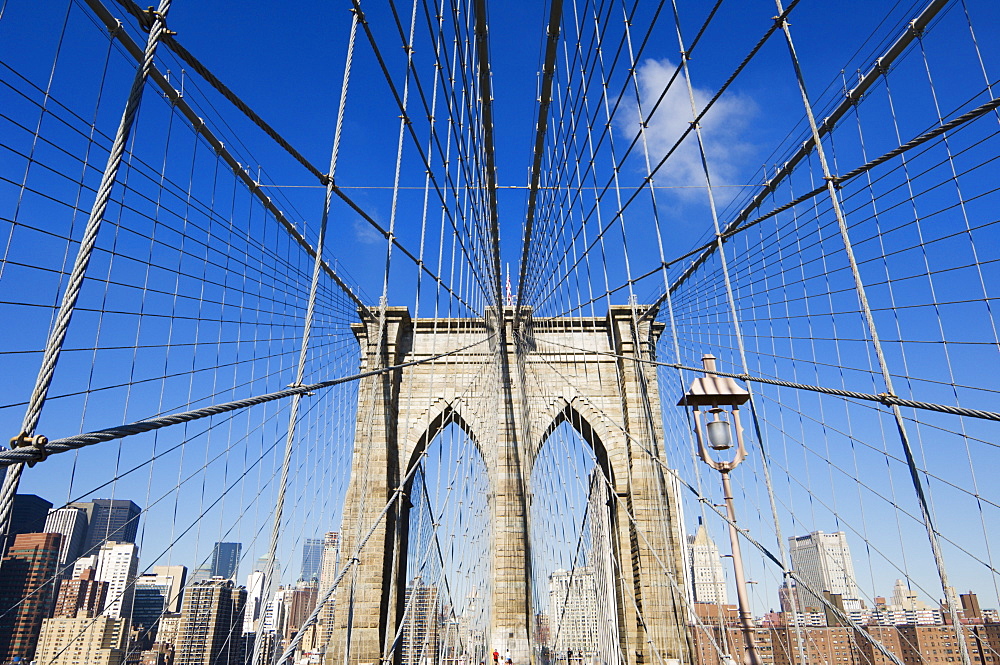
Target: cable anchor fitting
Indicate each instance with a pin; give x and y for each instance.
(38, 442)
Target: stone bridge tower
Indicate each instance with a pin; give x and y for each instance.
(509, 398)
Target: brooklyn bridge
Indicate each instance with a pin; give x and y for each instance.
(447, 332)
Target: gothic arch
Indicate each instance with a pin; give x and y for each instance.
(436, 418)
(591, 424)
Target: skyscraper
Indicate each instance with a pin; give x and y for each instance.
(109, 519)
(211, 625)
(117, 564)
(71, 522)
(329, 566)
(28, 515)
(707, 578)
(419, 636)
(157, 593)
(329, 569)
(823, 560)
(226, 559)
(255, 602)
(312, 559)
(26, 589)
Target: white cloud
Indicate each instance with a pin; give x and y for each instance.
(365, 234)
(723, 130)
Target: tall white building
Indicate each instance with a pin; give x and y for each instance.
(255, 601)
(72, 524)
(329, 561)
(707, 578)
(824, 561)
(117, 564)
(601, 560)
(573, 611)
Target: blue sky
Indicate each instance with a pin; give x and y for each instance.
(287, 65)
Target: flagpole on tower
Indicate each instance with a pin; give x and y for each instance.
(510, 296)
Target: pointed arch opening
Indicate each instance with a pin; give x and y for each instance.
(443, 608)
(571, 534)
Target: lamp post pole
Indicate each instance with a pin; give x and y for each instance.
(717, 392)
(746, 619)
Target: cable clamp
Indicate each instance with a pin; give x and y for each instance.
(38, 442)
(151, 17)
(293, 386)
(886, 398)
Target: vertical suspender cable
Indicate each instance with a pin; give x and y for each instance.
(306, 332)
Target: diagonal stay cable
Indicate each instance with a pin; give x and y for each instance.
(37, 453)
(647, 181)
(738, 226)
(366, 27)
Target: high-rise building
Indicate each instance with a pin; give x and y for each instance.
(211, 625)
(823, 560)
(109, 520)
(419, 636)
(601, 559)
(156, 594)
(330, 563)
(707, 579)
(27, 515)
(84, 563)
(329, 569)
(256, 597)
(226, 559)
(26, 580)
(82, 640)
(573, 611)
(84, 592)
(300, 603)
(71, 522)
(312, 559)
(117, 564)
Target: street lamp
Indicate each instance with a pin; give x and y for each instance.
(714, 429)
